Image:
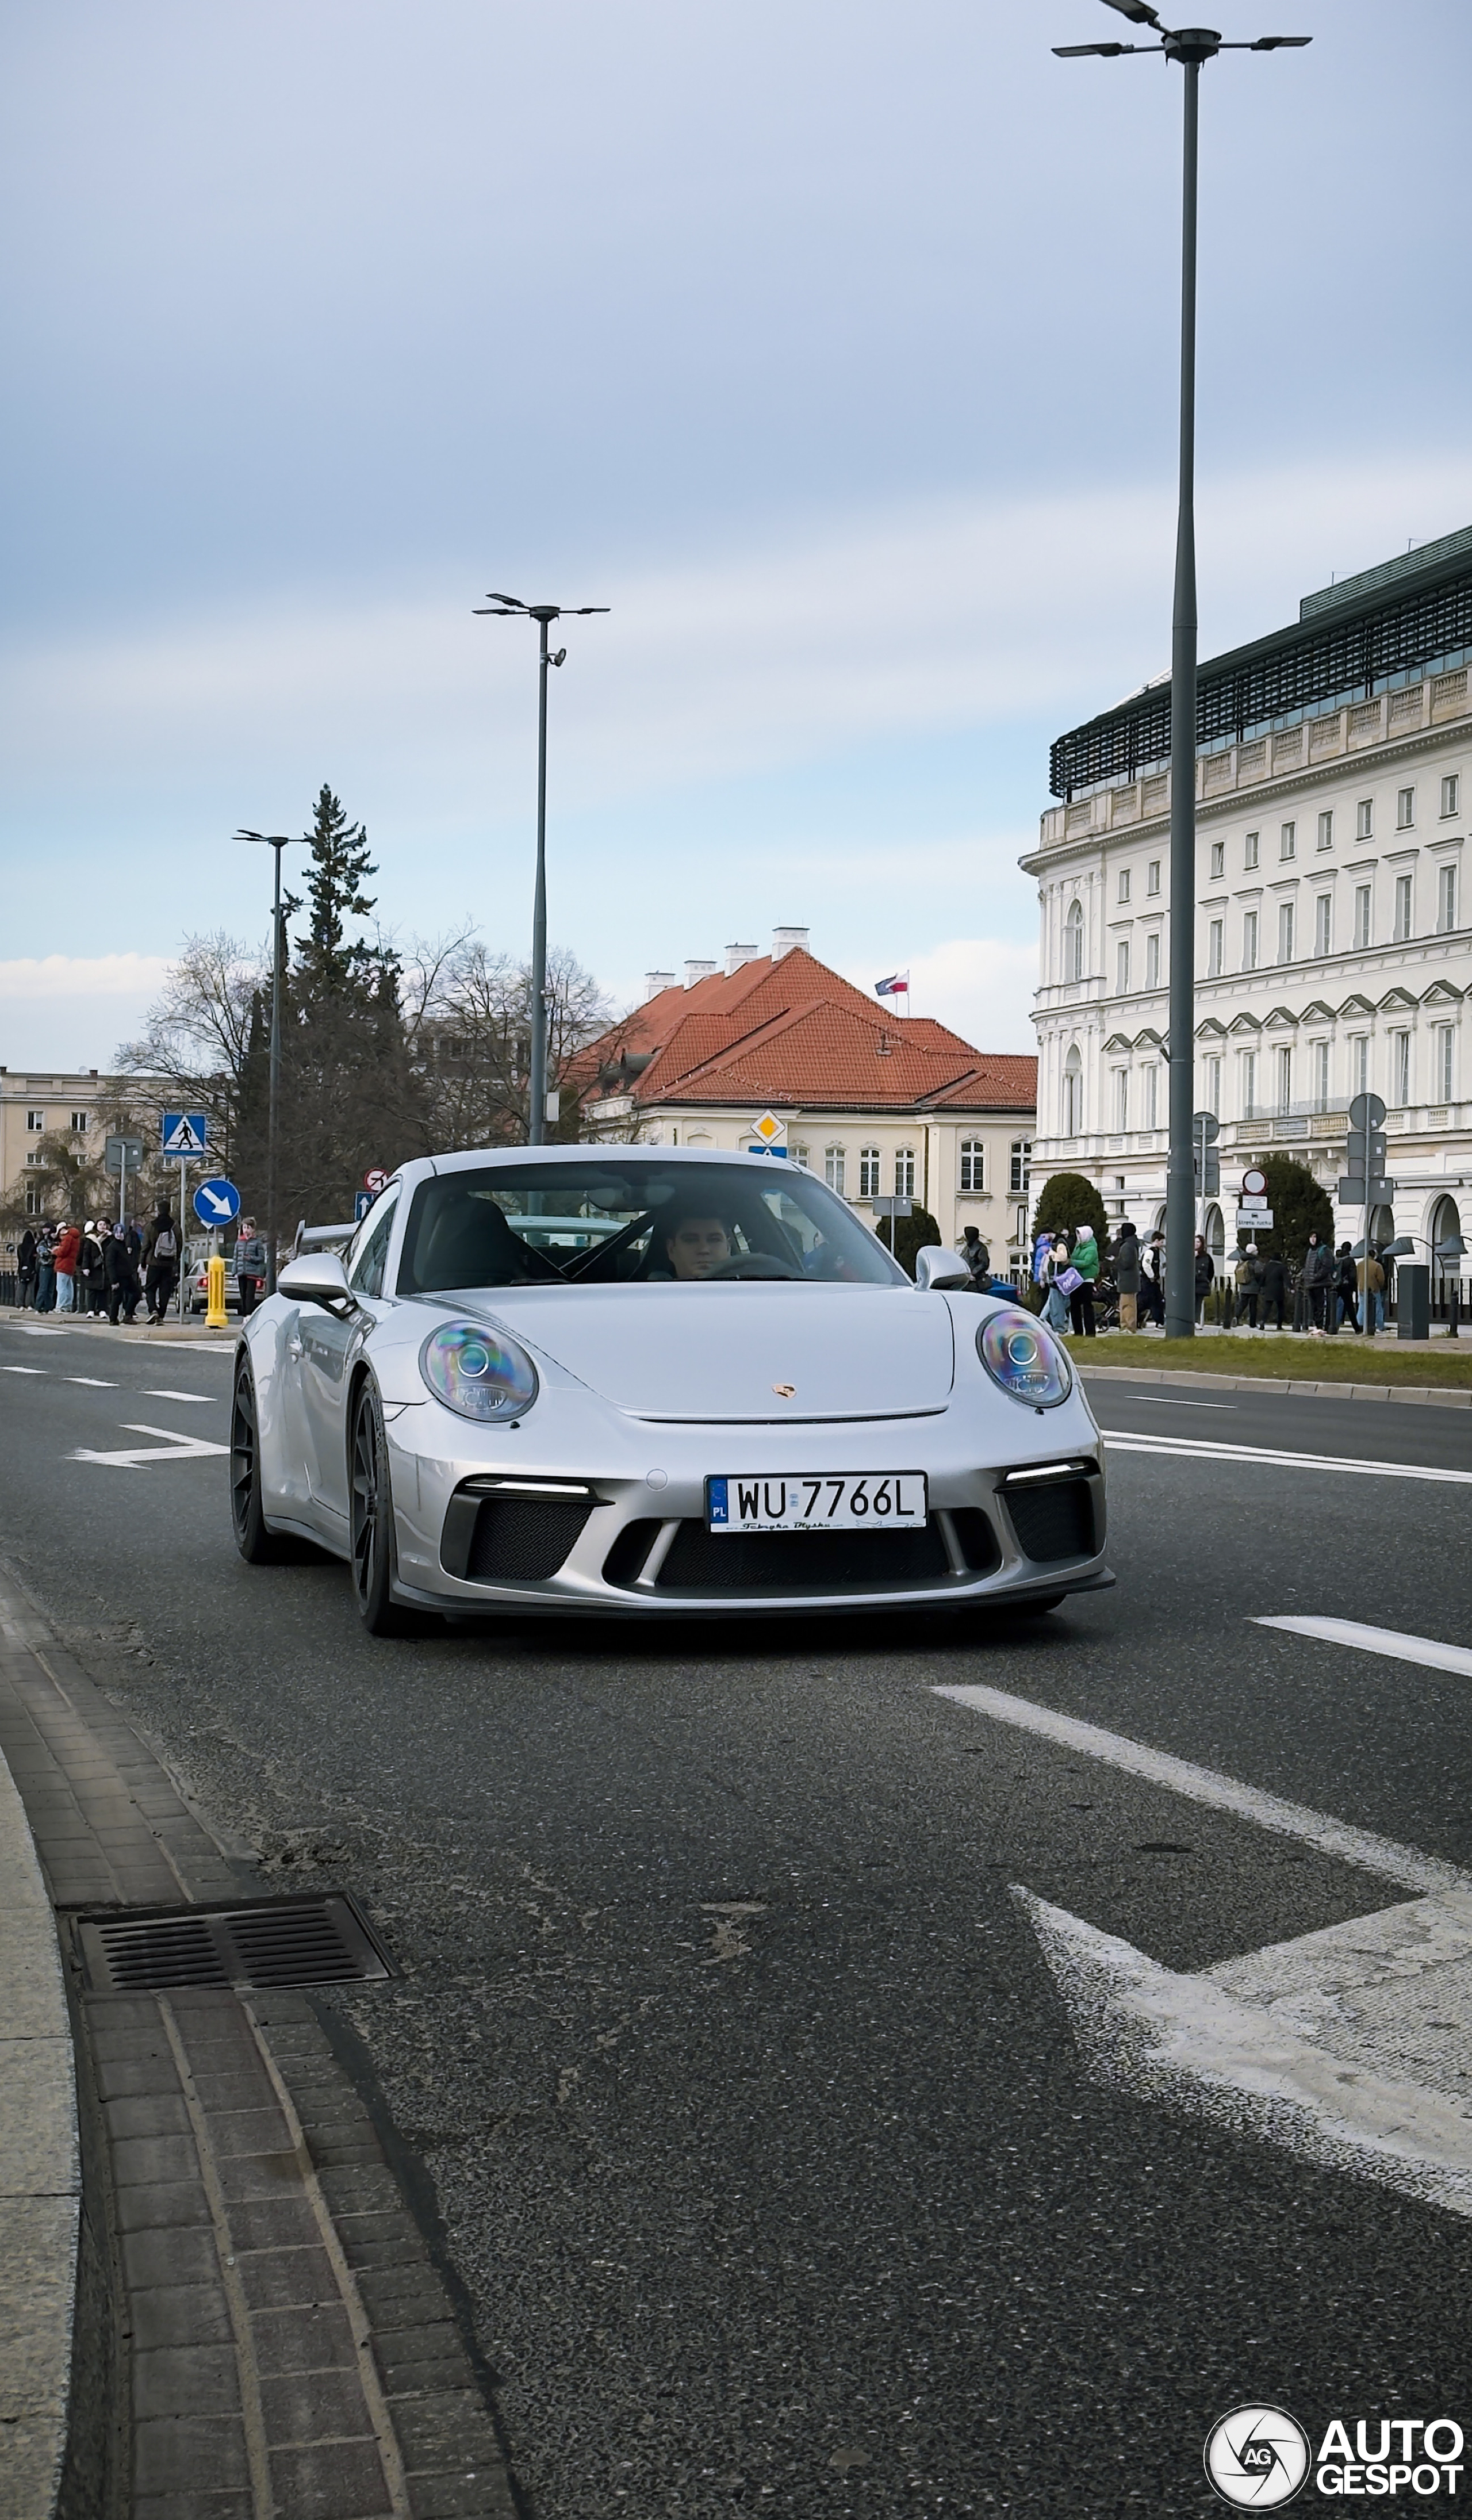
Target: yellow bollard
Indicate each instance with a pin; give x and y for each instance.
(217, 1318)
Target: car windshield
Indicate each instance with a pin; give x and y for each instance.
(594, 1221)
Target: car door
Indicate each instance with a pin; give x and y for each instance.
(329, 1348)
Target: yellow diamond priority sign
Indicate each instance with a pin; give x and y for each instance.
(770, 1130)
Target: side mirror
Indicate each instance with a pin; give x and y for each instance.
(317, 1277)
(935, 1267)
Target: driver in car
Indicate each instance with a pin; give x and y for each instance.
(694, 1246)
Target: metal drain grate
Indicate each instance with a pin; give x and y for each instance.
(277, 1942)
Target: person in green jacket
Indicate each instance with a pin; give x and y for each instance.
(1086, 1259)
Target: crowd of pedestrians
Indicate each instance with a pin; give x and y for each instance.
(101, 1268)
(1072, 1273)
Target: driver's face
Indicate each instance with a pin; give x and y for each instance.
(698, 1245)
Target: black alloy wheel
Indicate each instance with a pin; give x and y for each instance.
(257, 1546)
(370, 1521)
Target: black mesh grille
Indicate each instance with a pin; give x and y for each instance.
(625, 1560)
(1053, 1522)
(276, 1942)
(976, 1539)
(522, 1540)
(801, 1561)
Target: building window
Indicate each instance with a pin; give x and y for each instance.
(1362, 916)
(1365, 822)
(973, 1166)
(36, 1122)
(1249, 1083)
(1211, 1069)
(1073, 944)
(1124, 883)
(1285, 1079)
(1451, 795)
(79, 1123)
(33, 1161)
(1213, 950)
(1122, 967)
(34, 1202)
(1019, 1165)
(799, 1157)
(1218, 860)
(1358, 1062)
(1446, 901)
(1249, 941)
(1286, 931)
(1446, 1052)
(868, 1172)
(1403, 909)
(1405, 808)
(1152, 1095)
(1152, 876)
(1323, 913)
(833, 1168)
(1152, 962)
(1287, 840)
(1122, 1097)
(903, 1172)
(1073, 1095)
(1249, 850)
(1320, 1076)
(1400, 1068)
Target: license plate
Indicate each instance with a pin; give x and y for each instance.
(875, 1500)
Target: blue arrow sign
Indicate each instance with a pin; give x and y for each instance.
(185, 1133)
(217, 1202)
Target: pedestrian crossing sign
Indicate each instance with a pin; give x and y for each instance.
(185, 1133)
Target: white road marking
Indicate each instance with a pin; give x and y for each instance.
(177, 1448)
(1405, 1866)
(43, 1333)
(1427, 1651)
(202, 1399)
(23, 1369)
(1184, 1446)
(1351, 2048)
(93, 1380)
(1157, 1400)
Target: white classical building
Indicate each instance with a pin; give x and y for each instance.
(1333, 950)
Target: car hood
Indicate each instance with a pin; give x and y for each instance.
(714, 1354)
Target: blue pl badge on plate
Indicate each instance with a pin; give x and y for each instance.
(717, 1510)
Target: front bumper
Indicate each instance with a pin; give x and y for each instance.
(614, 1520)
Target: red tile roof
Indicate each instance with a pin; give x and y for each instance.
(792, 1033)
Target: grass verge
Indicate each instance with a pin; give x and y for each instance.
(1283, 1357)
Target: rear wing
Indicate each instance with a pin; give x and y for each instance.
(321, 1238)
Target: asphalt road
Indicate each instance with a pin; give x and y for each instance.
(762, 2137)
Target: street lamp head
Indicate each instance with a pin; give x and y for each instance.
(277, 840)
(1138, 11)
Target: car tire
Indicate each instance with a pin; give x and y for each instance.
(257, 1546)
(370, 1502)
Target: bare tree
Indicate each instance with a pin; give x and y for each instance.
(471, 1029)
(197, 1034)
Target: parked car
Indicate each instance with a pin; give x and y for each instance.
(648, 1380)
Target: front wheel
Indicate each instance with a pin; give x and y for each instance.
(257, 1546)
(371, 1521)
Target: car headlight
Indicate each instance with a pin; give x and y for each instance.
(1019, 1354)
(478, 1373)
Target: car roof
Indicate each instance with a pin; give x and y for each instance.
(479, 1158)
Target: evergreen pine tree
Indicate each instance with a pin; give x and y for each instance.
(326, 962)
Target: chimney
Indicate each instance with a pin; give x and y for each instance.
(788, 940)
(654, 981)
(737, 955)
(696, 972)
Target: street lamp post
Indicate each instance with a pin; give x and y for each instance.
(278, 841)
(1190, 46)
(543, 615)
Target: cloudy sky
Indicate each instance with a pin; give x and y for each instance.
(831, 345)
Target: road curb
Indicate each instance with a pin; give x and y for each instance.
(40, 2179)
(1424, 1396)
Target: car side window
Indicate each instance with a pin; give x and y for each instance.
(366, 1275)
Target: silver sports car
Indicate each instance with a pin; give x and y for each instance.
(643, 1378)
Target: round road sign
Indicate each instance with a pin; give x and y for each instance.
(376, 1179)
(1254, 1183)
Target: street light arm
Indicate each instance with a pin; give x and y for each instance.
(1138, 11)
(1105, 52)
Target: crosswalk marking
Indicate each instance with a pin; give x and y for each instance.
(1426, 1650)
(1198, 1448)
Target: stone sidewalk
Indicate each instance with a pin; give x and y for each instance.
(263, 2328)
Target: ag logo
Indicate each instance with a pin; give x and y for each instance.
(1257, 2458)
